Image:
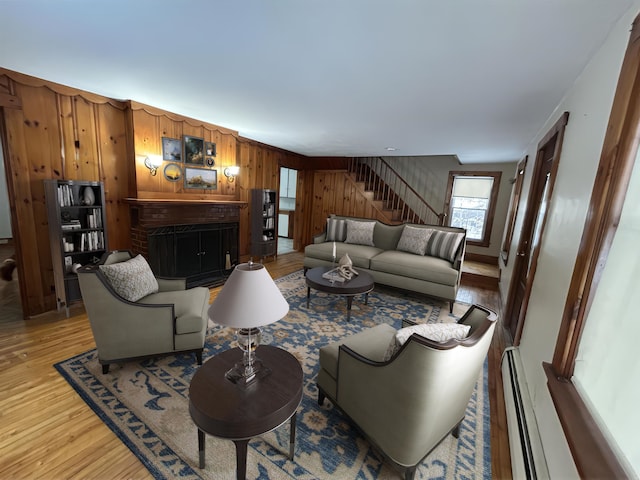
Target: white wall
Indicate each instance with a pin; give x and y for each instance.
(429, 176)
(5, 212)
(589, 104)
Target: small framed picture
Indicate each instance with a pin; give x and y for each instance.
(200, 178)
(171, 149)
(172, 172)
(210, 149)
(193, 150)
(209, 161)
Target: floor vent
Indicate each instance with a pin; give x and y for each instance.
(527, 455)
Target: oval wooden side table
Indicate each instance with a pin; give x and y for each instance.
(226, 410)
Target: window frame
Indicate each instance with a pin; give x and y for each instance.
(485, 241)
(594, 457)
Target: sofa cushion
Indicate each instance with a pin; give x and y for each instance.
(188, 307)
(360, 255)
(430, 269)
(336, 230)
(444, 244)
(360, 233)
(414, 240)
(438, 332)
(371, 343)
(132, 279)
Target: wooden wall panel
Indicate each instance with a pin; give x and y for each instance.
(113, 155)
(54, 131)
(57, 133)
(149, 125)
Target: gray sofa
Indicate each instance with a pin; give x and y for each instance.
(394, 257)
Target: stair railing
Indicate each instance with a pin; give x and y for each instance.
(395, 193)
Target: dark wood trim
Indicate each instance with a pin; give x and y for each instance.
(477, 257)
(607, 198)
(513, 208)
(528, 224)
(591, 452)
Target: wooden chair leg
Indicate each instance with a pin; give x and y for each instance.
(321, 397)
(105, 368)
(199, 357)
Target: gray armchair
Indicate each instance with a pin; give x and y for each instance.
(408, 404)
(172, 320)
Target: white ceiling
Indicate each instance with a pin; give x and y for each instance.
(473, 78)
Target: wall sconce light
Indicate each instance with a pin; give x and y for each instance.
(231, 173)
(152, 162)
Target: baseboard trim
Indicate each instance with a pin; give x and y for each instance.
(477, 257)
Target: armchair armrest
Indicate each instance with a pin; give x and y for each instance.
(167, 284)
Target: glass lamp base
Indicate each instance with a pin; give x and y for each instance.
(251, 368)
(243, 375)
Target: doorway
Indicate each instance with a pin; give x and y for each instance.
(10, 299)
(286, 209)
(544, 173)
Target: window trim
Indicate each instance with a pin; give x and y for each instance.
(491, 211)
(513, 208)
(593, 455)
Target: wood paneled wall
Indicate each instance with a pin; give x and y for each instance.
(149, 125)
(52, 131)
(335, 193)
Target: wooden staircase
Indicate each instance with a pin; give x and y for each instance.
(390, 194)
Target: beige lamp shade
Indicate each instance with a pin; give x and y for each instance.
(249, 298)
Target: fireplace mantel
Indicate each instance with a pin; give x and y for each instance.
(155, 212)
(196, 239)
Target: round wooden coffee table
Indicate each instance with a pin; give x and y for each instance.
(359, 284)
(226, 410)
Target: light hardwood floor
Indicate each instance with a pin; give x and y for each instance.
(48, 432)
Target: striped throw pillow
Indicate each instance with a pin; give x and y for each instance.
(444, 244)
(336, 230)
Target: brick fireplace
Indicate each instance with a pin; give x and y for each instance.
(195, 239)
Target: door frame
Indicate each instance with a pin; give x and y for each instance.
(555, 132)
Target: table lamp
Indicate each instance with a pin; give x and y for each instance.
(248, 300)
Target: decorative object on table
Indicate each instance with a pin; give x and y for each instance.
(200, 178)
(343, 272)
(249, 300)
(171, 149)
(172, 172)
(163, 439)
(193, 150)
(88, 197)
(75, 267)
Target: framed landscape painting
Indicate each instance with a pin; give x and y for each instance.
(200, 178)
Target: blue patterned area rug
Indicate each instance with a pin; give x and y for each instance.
(146, 403)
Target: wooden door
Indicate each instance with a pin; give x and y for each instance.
(545, 169)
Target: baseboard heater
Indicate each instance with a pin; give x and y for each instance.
(527, 455)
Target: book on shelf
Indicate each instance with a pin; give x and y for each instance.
(65, 196)
(71, 225)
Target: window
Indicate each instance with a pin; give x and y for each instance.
(470, 203)
(595, 452)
